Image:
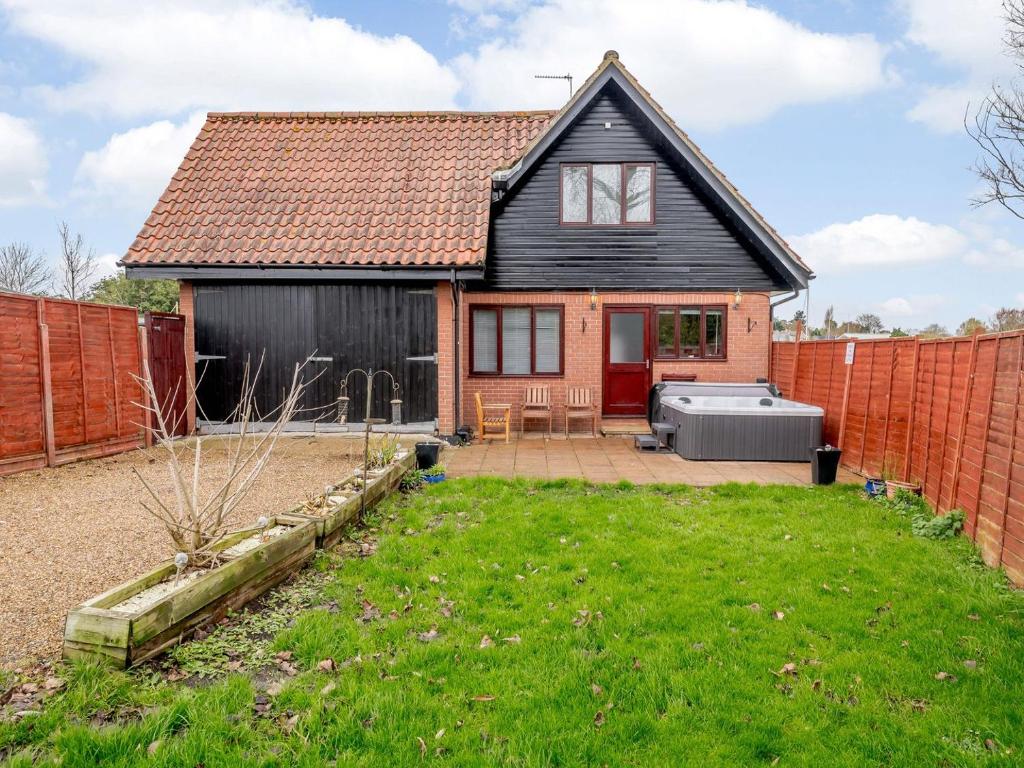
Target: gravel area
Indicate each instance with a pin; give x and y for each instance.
(72, 532)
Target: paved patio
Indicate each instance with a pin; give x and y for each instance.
(610, 459)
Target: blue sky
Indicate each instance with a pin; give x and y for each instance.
(840, 120)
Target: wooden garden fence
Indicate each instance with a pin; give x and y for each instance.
(67, 381)
(947, 413)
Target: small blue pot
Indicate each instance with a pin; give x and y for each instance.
(437, 478)
(874, 487)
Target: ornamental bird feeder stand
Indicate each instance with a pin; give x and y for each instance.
(396, 416)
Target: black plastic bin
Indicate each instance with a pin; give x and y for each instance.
(426, 454)
(825, 464)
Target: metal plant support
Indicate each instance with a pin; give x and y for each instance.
(396, 417)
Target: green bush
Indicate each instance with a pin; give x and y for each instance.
(923, 520)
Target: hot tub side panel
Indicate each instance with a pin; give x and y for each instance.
(722, 437)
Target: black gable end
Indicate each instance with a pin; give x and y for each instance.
(690, 246)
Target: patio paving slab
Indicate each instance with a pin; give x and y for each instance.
(611, 459)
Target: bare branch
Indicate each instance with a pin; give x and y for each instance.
(22, 270)
(77, 265)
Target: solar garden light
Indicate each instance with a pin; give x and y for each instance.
(180, 561)
(396, 409)
(262, 524)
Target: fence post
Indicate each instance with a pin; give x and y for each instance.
(147, 416)
(931, 420)
(47, 383)
(984, 440)
(846, 400)
(962, 430)
(1013, 446)
(908, 447)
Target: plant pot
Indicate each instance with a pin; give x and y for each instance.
(434, 478)
(426, 454)
(379, 486)
(113, 629)
(892, 486)
(875, 486)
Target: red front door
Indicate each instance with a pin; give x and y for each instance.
(627, 361)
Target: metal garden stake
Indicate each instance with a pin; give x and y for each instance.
(396, 408)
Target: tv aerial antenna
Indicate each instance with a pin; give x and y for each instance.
(566, 77)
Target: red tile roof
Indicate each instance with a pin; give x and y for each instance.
(410, 188)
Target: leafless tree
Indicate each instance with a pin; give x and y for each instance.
(22, 270)
(997, 127)
(77, 265)
(194, 521)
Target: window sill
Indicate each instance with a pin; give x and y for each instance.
(476, 375)
(691, 359)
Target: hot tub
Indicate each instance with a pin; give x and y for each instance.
(739, 428)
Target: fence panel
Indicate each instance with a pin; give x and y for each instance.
(946, 413)
(67, 380)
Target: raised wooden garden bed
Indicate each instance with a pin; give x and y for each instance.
(123, 627)
(347, 495)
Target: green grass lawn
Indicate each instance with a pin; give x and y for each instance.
(625, 626)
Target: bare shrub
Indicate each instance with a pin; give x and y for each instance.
(196, 523)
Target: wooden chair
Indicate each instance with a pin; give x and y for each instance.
(485, 421)
(580, 405)
(536, 405)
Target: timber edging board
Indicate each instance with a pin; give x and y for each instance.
(96, 630)
(380, 485)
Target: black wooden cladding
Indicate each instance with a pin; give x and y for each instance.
(356, 325)
(689, 247)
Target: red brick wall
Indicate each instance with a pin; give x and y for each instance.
(748, 352)
(186, 307)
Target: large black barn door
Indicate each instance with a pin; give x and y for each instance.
(344, 325)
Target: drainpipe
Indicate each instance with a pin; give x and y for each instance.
(457, 344)
(771, 325)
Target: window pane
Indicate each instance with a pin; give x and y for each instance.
(548, 334)
(485, 340)
(574, 193)
(689, 333)
(626, 338)
(666, 333)
(515, 340)
(607, 194)
(638, 193)
(714, 333)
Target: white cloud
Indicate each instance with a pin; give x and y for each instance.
(911, 307)
(711, 64)
(153, 57)
(133, 167)
(1020, 297)
(966, 35)
(878, 240)
(23, 162)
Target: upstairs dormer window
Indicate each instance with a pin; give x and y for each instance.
(607, 194)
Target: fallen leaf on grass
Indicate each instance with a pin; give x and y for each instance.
(599, 718)
(53, 684)
(234, 666)
(596, 689)
(778, 615)
(484, 697)
(945, 676)
(486, 642)
(513, 639)
(430, 636)
(370, 612)
(789, 668)
(288, 724)
(423, 746)
(153, 747)
(273, 689)
(289, 669)
(970, 663)
(435, 579)
(636, 663)
(283, 656)
(328, 688)
(327, 665)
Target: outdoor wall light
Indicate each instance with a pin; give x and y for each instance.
(736, 299)
(593, 299)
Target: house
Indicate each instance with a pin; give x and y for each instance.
(467, 252)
